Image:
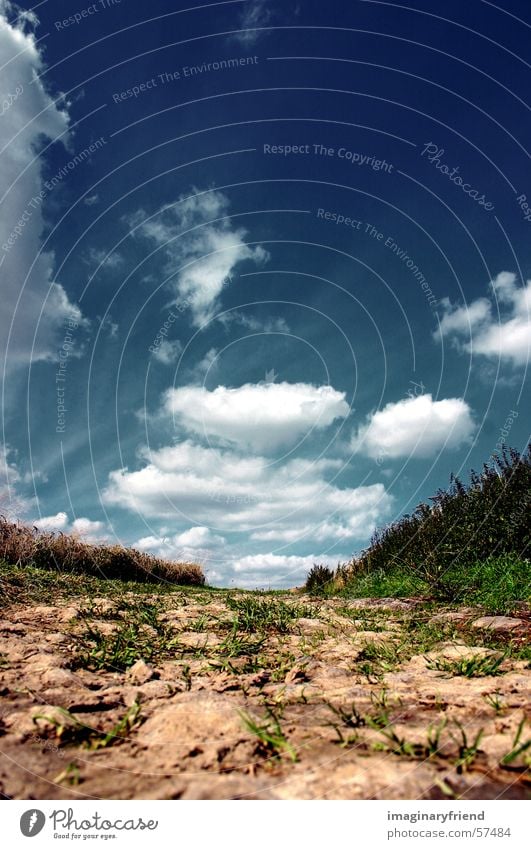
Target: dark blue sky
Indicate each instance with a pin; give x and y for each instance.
(284, 251)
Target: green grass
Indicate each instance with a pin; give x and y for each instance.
(395, 583)
(271, 738)
(32, 584)
(257, 614)
(518, 748)
(68, 729)
(469, 667)
(496, 584)
(139, 634)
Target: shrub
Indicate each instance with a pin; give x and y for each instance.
(319, 579)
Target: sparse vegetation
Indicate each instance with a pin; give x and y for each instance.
(68, 729)
(476, 666)
(257, 614)
(272, 741)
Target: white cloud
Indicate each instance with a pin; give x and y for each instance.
(12, 504)
(52, 523)
(201, 252)
(476, 328)
(269, 570)
(259, 416)
(222, 490)
(89, 530)
(167, 352)
(27, 273)
(199, 537)
(416, 427)
(195, 544)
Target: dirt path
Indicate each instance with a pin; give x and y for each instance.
(201, 695)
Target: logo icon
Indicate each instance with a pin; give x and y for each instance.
(32, 822)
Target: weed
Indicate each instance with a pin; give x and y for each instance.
(115, 652)
(517, 749)
(69, 729)
(385, 655)
(467, 752)
(199, 624)
(434, 737)
(255, 614)
(272, 740)
(319, 580)
(396, 744)
(187, 676)
(69, 775)
(493, 699)
(476, 666)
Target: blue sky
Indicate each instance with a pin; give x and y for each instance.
(265, 269)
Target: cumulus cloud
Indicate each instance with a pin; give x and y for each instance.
(58, 522)
(269, 570)
(87, 529)
(476, 328)
(197, 543)
(29, 117)
(416, 427)
(258, 416)
(228, 492)
(201, 247)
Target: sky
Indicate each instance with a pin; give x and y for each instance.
(265, 269)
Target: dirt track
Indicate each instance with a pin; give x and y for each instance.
(350, 700)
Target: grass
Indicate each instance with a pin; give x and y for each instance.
(68, 729)
(467, 750)
(471, 544)
(257, 614)
(271, 738)
(518, 749)
(497, 584)
(31, 584)
(395, 583)
(468, 667)
(139, 634)
(24, 546)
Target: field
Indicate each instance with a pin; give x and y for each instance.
(114, 689)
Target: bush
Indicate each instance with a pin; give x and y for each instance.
(319, 579)
(23, 546)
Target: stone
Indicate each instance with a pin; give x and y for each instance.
(500, 624)
(140, 673)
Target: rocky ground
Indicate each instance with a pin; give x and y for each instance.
(198, 694)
